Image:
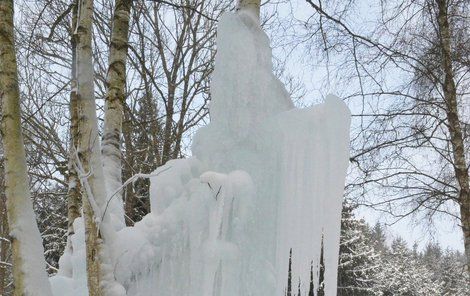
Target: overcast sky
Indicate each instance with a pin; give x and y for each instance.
(318, 81)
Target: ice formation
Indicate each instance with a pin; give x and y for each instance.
(71, 280)
(265, 178)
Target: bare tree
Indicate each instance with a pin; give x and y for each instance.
(172, 50)
(411, 78)
(6, 284)
(28, 271)
(114, 106)
(461, 165)
(88, 161)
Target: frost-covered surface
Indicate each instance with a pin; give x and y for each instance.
(71, 279)
(23, 228)
(113, 186)
(265, 178)
(193, 243)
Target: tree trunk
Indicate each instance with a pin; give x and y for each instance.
(98, 225)
(253, 6)
(167, 135)
(129, 196)
(73, 201)
(73, 182)
(4, 243)
(455, 129)
(114, 101)
(29, 271)
(89, 161)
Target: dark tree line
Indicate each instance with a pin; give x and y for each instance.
(370, 266)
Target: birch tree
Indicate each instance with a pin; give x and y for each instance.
(87, 152)
(89, 166)
(28, 255)
(461, 164)
(114, 105)
(5, 250)
(250, 5)
(73, 198)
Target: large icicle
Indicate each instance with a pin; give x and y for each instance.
(296, 157)
(314, 159)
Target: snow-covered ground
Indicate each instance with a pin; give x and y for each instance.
(265, 178)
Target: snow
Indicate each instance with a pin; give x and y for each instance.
(184, 246)
(26, 243)
(71, 280)
(265, 178)
(114, 201)
(169, 185)
(24, 229)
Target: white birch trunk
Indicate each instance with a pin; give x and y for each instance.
(455, 129)
(29, 271)
(250, 6)
(73, 193)
(98, 228)
(114, 102)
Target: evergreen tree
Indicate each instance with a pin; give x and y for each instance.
(321, 277)
(403, 274)
(367, 266)
(449, 271)
(312, 286)
(289, 276)
(358, 259)
(377, 238)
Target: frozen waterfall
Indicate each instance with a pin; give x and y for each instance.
(265, 178)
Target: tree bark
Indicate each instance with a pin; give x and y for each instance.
(73, 182)
(252, 6)
(88, 148)
(455, 129)
(29, 272)
(98, 224)
(129, 192)
(73, 201)
(114, 102)
(4, 243)
(167, 135)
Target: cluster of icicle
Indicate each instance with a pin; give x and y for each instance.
(264, 178)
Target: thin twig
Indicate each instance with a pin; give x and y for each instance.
(130, 180)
